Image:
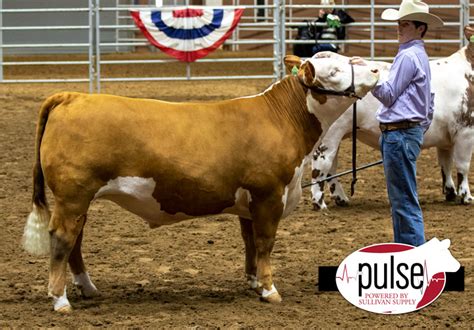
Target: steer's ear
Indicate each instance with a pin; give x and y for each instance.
(445, 243)
(307, 73)
(292, 61)
(468, 31)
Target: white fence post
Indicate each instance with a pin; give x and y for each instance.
(117, 21)
(279, 39)
(276, 46)
(1, 41)
(282, 26)
(372, 29)
(97, 44)
(91, 47)
(464, 14)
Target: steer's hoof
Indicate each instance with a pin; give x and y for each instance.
(271, 296)
(89, 294)
(341, 202)
(274, 298)
(466, 200)
(450, 195)
(65, 309)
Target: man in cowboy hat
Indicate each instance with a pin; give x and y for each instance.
(404, 116)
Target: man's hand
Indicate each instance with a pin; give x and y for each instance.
(356, 60)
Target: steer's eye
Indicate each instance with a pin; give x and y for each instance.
(333, 73)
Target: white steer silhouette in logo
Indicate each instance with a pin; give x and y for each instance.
(440, 261)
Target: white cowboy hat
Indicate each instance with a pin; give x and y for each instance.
(413, 10)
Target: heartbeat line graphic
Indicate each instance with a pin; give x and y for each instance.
(429, 280)
(345, 274)
(426, 278)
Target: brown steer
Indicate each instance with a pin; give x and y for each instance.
(168, 162)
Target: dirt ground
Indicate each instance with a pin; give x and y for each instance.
(191, 274)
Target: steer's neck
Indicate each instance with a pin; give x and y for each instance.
(286, 100)
(329, 110)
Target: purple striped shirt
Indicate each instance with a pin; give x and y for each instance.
(406, 94)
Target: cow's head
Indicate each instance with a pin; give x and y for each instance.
(332, 74)
(441, 258)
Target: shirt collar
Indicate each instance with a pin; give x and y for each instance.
(414, 42)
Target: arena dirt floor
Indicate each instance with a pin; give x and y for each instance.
(191, 274)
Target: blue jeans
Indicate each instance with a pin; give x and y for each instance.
(400, 149)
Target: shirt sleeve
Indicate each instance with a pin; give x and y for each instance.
(401, 74)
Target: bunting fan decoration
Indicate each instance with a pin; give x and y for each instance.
(187, 33)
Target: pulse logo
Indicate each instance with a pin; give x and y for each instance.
(393, 278)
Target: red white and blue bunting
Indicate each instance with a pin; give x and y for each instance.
(188, 33)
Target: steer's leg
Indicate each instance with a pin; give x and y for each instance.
(463, 147)
(266, 214)
(445, 160)
(65, 226)
(80, 277)
(246, 229)
(317, 189)
(335, 187)
(320, 165)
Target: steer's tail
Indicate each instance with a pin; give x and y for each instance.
(36, 235)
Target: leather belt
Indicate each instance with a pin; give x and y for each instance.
(398, 125)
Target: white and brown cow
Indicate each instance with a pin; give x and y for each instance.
(167, 162)
(451, 131)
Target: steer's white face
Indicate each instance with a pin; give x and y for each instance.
(334, 74)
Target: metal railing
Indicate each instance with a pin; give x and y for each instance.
(88, 77)
(95, 47)
(279, 19)
(463, 8)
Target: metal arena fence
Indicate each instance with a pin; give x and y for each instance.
(101, 28)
